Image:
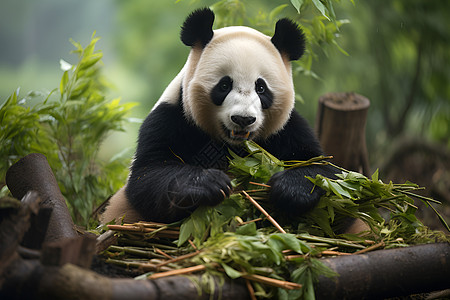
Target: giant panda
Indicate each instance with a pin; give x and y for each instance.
(236, 85)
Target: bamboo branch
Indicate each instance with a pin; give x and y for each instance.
(181, 257)
(269, 217)
(273, 282)
(260, 184)
(179, 271)
(250, 289)
(370, 248)
(163, 253)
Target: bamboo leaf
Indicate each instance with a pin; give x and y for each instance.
(232, 273)
(297, 4)
(319, 5)
(63, 83)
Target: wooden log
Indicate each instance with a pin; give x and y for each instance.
(387, 273)
(77, 250)
(13, 227)
(340, 127)
(33, 172)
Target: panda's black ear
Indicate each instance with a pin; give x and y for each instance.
(289, 39)
(197, 28)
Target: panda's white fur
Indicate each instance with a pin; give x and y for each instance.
(223, 56)
(202, 70)
(236, 85)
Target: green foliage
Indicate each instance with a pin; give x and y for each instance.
(19, 130)
(259, 165)
(352, 195)
(249, 247)
(69, 131)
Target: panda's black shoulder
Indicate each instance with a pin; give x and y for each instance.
(296, 141)
(166, 134)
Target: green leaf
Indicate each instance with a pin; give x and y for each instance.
(90, 61)
(232, 273)
(186, 231)
(63, 83)
(297, 4)
(319, 5)
(276, 11)
(375, 176)
(247, 229)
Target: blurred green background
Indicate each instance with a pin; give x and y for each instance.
(397, 54)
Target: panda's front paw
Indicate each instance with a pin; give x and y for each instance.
(206, 187)
(292, 193)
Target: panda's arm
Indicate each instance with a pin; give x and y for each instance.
(161, 186)
(291, 192)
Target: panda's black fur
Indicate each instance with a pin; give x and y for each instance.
(178, 165)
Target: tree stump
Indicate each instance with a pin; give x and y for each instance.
(340, 127)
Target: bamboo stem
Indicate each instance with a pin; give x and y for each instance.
(260, 184)
(269, 217)
(273, 282)
(330, 252)
(250, 289)
(134, 228)
(371, 248)
(179, 271)
(251, 221)
(181, 257)
(163, 253)
(146, 267)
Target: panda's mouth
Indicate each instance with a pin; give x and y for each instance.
(237, 135)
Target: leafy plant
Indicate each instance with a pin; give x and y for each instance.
(69, 131)
(234, 239)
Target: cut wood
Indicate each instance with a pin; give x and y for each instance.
(340, 127)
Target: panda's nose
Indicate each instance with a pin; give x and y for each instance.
(243, 121)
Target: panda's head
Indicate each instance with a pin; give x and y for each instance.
(237, 82)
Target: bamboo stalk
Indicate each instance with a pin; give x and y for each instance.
(134, 228)
(371, 248)
(330, 252)
(154, 224)
(251, 221)
(134, 251)
(260, 184)
(193, 245)
(147, 244)
(288, 285)
(269, 217)
(311, 238)
(146, 267)
(292, 257)
(179, 271)
(178, 258)
(250, 289)
(163, 253)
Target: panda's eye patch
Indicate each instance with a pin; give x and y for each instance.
(264, 93)
(221, 90)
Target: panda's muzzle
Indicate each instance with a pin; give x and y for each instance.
(243, 122)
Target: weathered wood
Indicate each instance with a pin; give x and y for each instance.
(77, 250)
(34, 173)
(14, 226)
(340, 126)
(388, 273)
